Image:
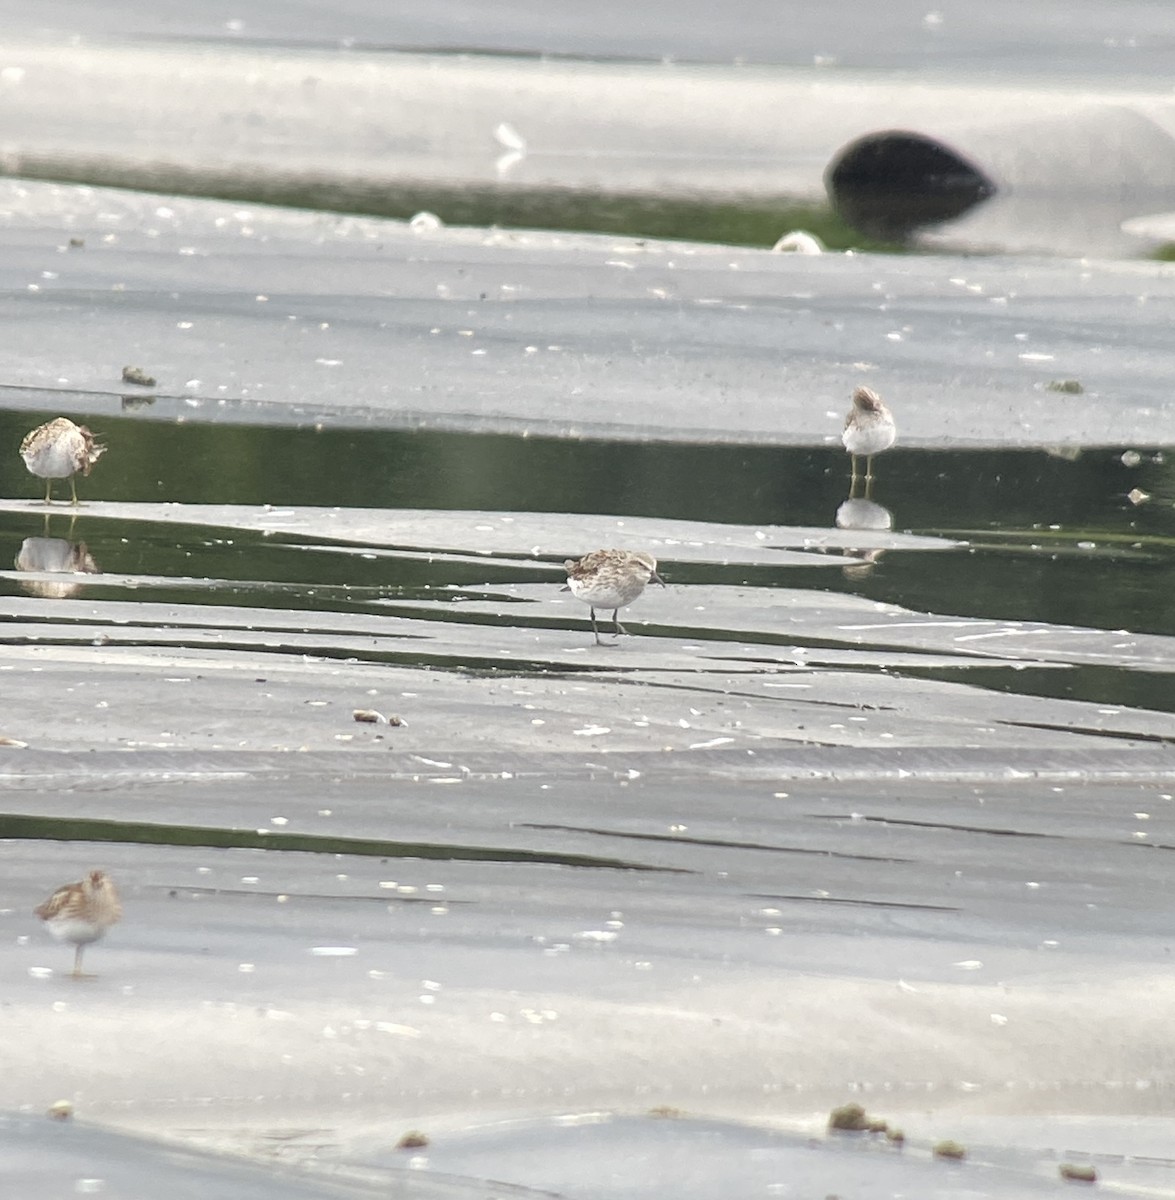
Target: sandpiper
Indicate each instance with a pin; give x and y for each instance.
(610, 579)
(869, 428)
(58, 450)
(81, 913)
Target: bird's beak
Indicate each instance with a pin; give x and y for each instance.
(565, 588)
(657, 578)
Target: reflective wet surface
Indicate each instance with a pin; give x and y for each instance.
(424, 888)
(858, 727)
(1010, 536)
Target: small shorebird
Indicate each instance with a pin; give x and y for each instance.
(59, 449)
(869, 429)
(610, 579)
(81, 913)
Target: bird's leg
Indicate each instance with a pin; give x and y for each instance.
(77, 961)
(868, 487)
(48, 491)
(73, 488)
(616, 622)
(868, 467)
(595, 628)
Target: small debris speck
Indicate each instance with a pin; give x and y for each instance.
(137, 375)
(412, 1140)
(371, 716)
(1077, 1173)
(1070, 387)
(949, 1149)
(849, 1117)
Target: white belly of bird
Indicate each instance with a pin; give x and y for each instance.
(77, 932)
(869, 439)
(603, 596)
(57, 461)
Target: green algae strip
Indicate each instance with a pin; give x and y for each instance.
(729, 219)
(22, 827)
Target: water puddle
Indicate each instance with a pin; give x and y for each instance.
(18, 827)
(999, 562)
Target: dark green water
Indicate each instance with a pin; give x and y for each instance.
(20, 827)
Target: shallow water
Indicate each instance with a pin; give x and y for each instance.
(1018, 536)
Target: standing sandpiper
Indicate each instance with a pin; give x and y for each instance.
(869, 429)
(58, 450)
(610, 579)
(81, 913)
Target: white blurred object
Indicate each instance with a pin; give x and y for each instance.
(514, 144)
(425, 222)
(509, 137)
(859, 513)
(799, 241)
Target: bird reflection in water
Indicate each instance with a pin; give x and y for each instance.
(54, 556)
(868, 516)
